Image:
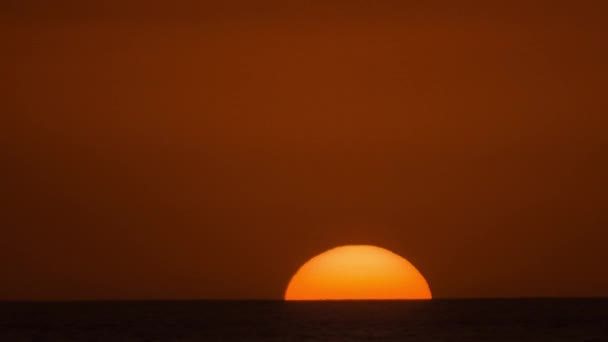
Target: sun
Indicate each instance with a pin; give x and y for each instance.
(357, 272)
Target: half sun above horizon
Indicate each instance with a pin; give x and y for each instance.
(357, 272)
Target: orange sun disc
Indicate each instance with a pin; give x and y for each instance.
(357, 272)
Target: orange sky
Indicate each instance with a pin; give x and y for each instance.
(193, 151)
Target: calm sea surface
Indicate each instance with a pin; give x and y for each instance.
(437, 320)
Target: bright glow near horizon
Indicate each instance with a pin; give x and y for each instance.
(357, 272)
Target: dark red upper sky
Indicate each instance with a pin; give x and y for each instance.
(180, 150)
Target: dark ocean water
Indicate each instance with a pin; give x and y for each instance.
(437, 320)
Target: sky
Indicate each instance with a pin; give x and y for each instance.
(186, 150)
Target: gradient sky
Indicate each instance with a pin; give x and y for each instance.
(185, 150)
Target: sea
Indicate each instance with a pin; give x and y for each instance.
(436, 320)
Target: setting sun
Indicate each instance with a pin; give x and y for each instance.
(357, 272)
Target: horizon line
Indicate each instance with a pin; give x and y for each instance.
(92, 300)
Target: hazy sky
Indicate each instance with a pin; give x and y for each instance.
(183, 150)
